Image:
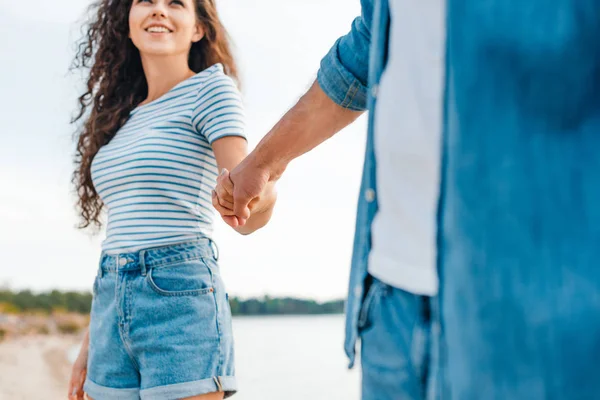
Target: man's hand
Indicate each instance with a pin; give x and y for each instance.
(249, 183)
(314, 119)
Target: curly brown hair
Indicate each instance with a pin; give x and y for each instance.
(116, 84)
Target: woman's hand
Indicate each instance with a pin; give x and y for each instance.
(259, 208)
(79, 371)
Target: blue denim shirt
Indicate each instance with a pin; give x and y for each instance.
(519, 216)
(349, 75)
(520, 188)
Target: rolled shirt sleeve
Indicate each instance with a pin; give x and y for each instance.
(344, 71)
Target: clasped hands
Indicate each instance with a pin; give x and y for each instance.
(244, 197)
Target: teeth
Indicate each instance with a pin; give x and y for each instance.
(158, 29)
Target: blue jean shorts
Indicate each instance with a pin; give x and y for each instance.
(160, 326)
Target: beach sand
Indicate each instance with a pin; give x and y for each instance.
(35, 367)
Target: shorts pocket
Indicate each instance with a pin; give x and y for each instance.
(187, 278)
(370, 300)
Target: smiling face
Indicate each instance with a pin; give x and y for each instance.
(164, 27)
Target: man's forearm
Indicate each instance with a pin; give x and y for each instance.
(314, 119)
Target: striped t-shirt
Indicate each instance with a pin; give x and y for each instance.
(156, 175)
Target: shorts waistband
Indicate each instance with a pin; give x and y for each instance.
(157, 256)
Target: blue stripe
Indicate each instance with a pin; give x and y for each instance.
(146, 233)
(154, 219)
(157, 239)
(99, 184)
(219, 119)
(96, 177)
(146, 226)
(146, 122)
(211, 91)
(193, 195)
(229, 134)
(162, 159)
(141, 124)
(202, 114)
(196, 154)
(145, 111)
(222, 82)
(218, 98)
(166, 240)
(115, 158)
(198, 189)
(184, 103)
(113, 214)
(109, 160)
(214, 114)
(193, 133)
(141, 196)
(158, 203)
(213, 129)
(152, 139)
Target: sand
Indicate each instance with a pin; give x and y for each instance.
(35, 367)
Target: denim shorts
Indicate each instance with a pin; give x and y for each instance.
(160, 326)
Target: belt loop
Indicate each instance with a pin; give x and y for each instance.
(143, 262)
(214, 248)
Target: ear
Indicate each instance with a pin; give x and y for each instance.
(198, 33)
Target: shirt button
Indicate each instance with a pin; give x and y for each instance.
(370, 195)
(358, 290)
(374, 90)
(122, 262)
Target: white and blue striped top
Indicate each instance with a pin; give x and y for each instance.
(156, 175)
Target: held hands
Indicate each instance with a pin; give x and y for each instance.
(222, 200)
(244, 197)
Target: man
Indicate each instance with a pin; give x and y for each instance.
(393, 283)
(519, 205)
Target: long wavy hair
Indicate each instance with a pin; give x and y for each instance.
(116, 84)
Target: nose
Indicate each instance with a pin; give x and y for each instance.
(159, 10)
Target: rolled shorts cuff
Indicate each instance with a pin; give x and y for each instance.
(99, 392)
(227, 384)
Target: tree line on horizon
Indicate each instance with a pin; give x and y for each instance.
(14, 302)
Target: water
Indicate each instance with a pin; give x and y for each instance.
(291, 358)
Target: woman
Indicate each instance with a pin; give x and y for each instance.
(162, 116)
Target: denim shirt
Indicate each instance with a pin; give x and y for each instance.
(520, 190)
(349, 75)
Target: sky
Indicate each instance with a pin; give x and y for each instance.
(305, 250)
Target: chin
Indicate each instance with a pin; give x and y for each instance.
(158, 50)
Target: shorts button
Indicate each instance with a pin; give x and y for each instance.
(122, 262)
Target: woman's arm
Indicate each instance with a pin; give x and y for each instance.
(229, 152)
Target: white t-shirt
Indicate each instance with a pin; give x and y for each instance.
(407, 146)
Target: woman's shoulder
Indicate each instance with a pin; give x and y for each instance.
(214, 73)
(214, 70)
(213, 81)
